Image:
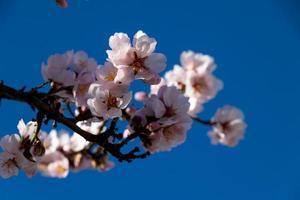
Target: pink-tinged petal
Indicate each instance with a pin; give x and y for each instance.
(107, 72)
(10, 143)
(155, 88)
(156, 62)
(229, 126)
(197, 62)
(119, 39)
(144, 74)
(54, 165)
(124, 75)
(196, 106)
(8, 166)
(154, 80)
(125, 100)
(143, 44)
(114, 112)
(140, 96)
(157, 106)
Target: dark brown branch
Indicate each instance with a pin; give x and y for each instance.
(41, 102)
(203, 121)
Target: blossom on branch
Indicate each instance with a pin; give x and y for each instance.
(108, 100)
(194, 79)
(98, 97)
(75, 70)
(164, 119)
(138, 57)
(229, 126)
(15, 147)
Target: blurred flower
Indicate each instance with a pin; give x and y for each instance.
(229, 126)
(54, 165)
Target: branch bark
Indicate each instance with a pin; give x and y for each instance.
(40, 101)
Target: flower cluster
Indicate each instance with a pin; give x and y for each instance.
(16, 148)
(194, 79)
(164, 120)
(60, 152)
(95, 95)
(71, 70)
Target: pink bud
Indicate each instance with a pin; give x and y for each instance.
(140, 96)
(62, 3)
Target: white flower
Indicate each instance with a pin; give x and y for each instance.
(90, 126)
(204, 87)
(154, 88)
(85, 69)
(108, 100)
(27, 130)
(54, 165)
(50, 141)
(196, 106)
(64, 141)
(166, 119)
(71, 69)
(194, 79)
(10, 143)
(8, 165)
(58, 70)
(177, 77)
(77, 142)
(229, 126)
(197, 62)
(109, 73)
(139, 57)
(14, 155)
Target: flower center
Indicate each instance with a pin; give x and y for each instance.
(181, 86)
(110, 77)
(60, 170)
(199, 84)
(137, 64)
(169, 112)
(111, 101)
(83, 88)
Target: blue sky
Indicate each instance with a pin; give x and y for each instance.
(256, 45)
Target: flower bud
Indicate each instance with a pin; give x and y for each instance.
(38, 149)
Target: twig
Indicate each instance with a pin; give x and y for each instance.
(204, 122)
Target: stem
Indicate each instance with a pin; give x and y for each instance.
(203, 121)
(41, 102)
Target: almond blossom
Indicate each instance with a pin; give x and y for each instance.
(12, 159)
(165, 118)
(99, 97)
(202, 86)
(109, 73)
(54, 165)
(194, 79)
(74, 70)
(139, 56)
(8, 165)
(197, 62)
(108, 100)
(229, 126)
(58, 69)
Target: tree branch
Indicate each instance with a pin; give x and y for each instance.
(203, 121)
(43, 103)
